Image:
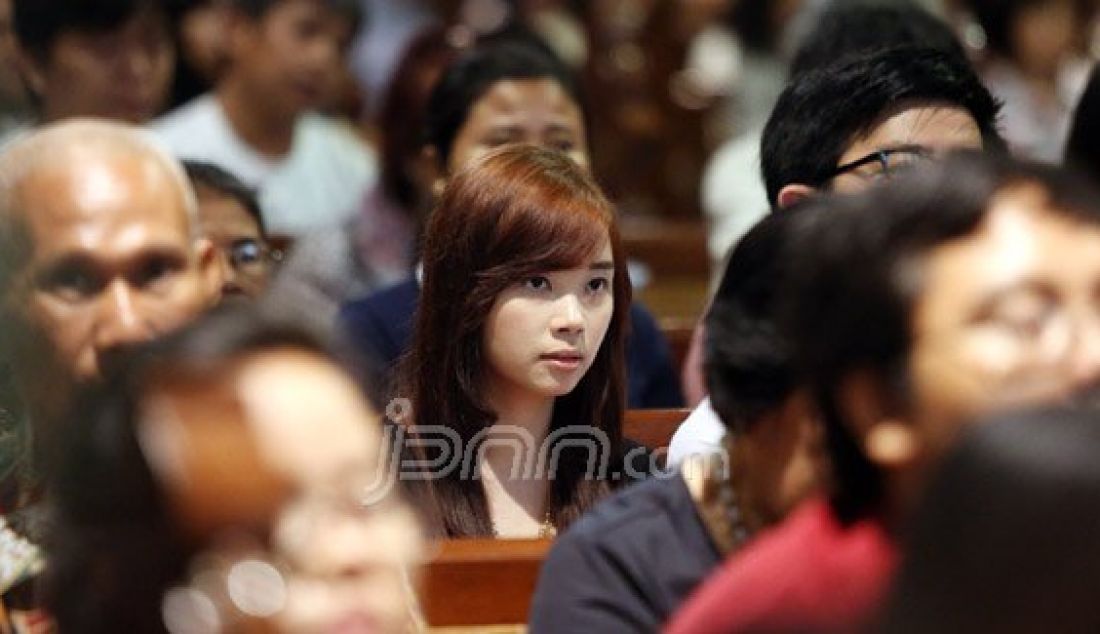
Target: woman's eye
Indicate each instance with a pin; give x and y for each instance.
(537, 283)
(598, 284)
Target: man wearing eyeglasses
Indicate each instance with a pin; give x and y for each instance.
(844, 125)
(231, 219)
(861, 119)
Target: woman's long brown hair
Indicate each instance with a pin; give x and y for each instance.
(517, 212)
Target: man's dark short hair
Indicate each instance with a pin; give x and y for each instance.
(38, 23)
(856, 277)
(747, 360)
(210, 176)
(822, 111)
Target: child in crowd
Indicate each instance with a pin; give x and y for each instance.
(257, 123)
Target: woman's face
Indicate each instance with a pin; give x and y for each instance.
(346, 539)
(341, 547)
(543, 332)
(535, 111)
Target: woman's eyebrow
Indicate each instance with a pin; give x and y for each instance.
(603, 265)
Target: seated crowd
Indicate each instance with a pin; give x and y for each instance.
(255, 377)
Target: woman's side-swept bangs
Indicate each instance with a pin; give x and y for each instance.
(545, 212)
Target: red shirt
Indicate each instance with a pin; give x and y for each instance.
(810, 573)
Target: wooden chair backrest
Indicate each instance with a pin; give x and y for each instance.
(482, 581)
(653, 427)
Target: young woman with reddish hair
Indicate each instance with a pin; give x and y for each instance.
(518, 347)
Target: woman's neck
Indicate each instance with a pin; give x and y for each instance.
(265, 129)
(509, 468)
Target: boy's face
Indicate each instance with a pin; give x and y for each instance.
(123, 73)
(291, 57)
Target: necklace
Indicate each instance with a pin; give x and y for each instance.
(547, 530)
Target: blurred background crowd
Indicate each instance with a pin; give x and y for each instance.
(332, 174)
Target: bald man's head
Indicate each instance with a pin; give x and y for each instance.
(100, 237)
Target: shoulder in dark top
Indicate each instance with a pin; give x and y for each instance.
(627, 564)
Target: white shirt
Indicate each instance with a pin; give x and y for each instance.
(734, 197)
(321, 182)
(700, 433)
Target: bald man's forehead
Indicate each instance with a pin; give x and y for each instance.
(90, 188)
(77, 144)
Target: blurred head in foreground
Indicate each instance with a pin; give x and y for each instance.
(1005, 540)
(229, 477)
(957, 289)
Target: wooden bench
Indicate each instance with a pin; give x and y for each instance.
(482, 581)
(653, 427)
(485, 582)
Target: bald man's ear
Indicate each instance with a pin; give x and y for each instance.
(793, 194)
(210, 269)
(32, 71)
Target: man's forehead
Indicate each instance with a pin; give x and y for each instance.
(100, 189)
(1021, 240)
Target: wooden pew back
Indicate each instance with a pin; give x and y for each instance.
(482, 581)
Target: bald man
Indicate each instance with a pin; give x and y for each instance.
(101, 250)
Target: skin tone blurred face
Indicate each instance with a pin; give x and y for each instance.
(291, 58)
(111, 260)
(543, 333)
(1010, 316)
(121, 74)
(204, 39)
(931, 129)
(783, 459)
(1043, 36)
(535, 111)
(348, 546)
(242, 250)
(317, 531)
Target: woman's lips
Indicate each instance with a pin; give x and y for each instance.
(564, 360)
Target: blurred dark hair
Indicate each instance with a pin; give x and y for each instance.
(351, 10)
(38, 23)
(856, 280)
(210, 176)
(1083, 145)
(822, 111)
(512, 55)
(853, 28)
(114, 548)
(753, 21)
(1005, 540)
(748, 360)
(404, 110)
